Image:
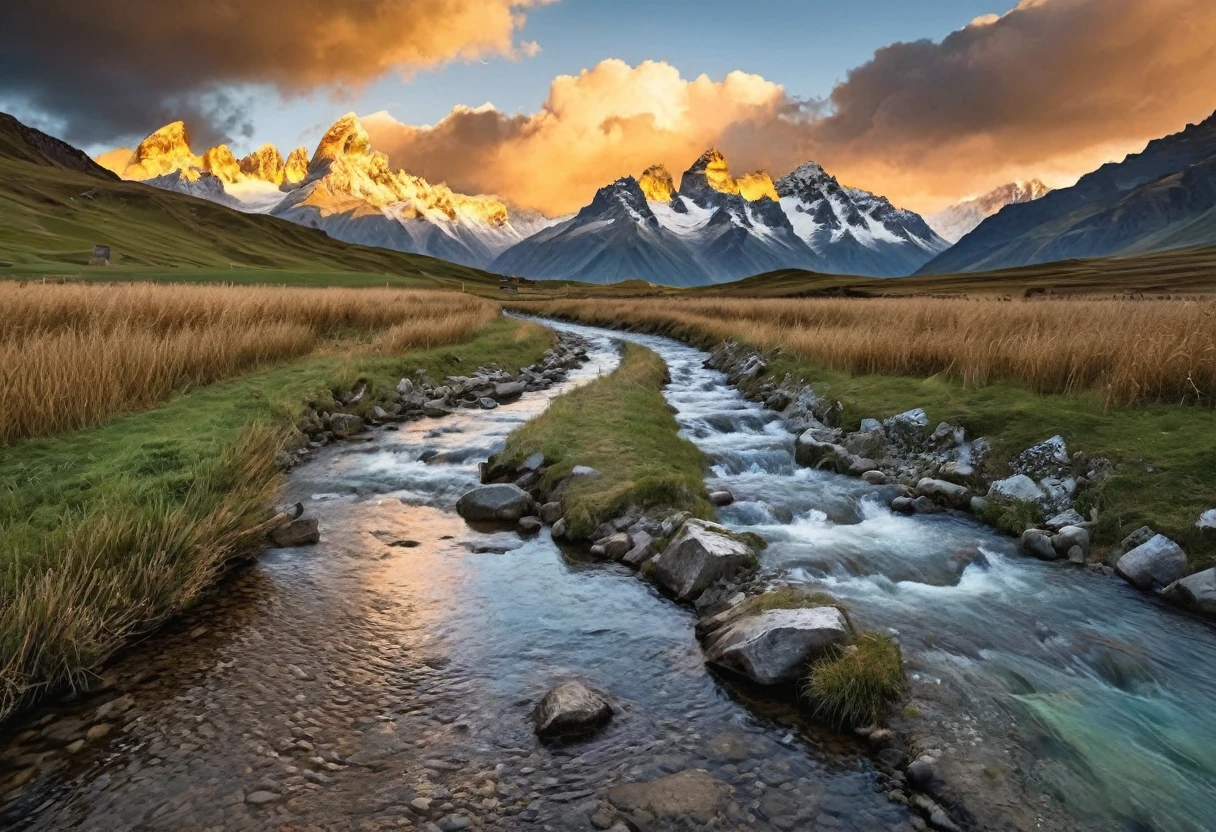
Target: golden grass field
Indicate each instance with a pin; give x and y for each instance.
(1131, 351)
(74, 355)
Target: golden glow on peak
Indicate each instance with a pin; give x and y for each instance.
(219, 162)
(717, 173)
(264, 164)
(296, 166)
(165, 151)
(657, 184)
(755, 185)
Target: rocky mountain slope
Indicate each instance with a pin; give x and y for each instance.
(959, 220)
(346, 189)
(716, 228)
(1160, 198)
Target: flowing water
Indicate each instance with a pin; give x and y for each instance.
(1069, 682)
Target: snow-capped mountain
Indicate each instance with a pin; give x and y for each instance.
(960, 219)
(346, 189)
(854, 231)
(717, 228)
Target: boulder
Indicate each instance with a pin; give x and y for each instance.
(551, 512)
(867, 443)
(1018, 488)
(643, 543)
(436, 408)
(875, 477)
(907, 430)
(1157, 563)
(925, 505)
(616, 546)
(299, 532)
(559, 528)
(777, 645)
(903, 505)
(530, 525)
(571, 709)
(1049, 458)
(1207, 520)
(487, 403)
(1139, 537)
(1196, 593)
(956, 472)
(1038, 543)
(405, 387)
(503, 502)
(721, 497)
(1069, 537)
(509, 391)
(1065, 518)
(345, 425)
(701, 553)
(946, 493)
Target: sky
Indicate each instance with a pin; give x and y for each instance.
(925, 102)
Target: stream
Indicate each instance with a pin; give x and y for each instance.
(384, 678)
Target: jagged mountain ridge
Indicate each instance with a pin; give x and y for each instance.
(960, 219)
(1155, 199)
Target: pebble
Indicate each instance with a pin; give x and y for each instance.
(260, 798)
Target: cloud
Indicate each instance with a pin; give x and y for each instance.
(1052, 88)
(103, 71)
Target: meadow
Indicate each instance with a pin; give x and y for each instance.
(74, 355)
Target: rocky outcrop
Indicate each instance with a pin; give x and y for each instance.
(571, 710)
(495, 503)
(1154, 564)
(700, 554)
(776, 645)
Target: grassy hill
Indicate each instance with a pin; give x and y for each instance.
(56, 204)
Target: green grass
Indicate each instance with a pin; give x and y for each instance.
(106, 531)
(856, 685)
(620, 425)
(788, 598)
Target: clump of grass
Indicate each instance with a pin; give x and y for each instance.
(1012, 518)
(75, 355)
(789, 598)
(619, 425)
(857, 684)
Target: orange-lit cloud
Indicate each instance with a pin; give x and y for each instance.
(111, 69)
(1050, 89)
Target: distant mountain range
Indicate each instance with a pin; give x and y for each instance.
(1163, 197)
(960, 219)
(715, 228)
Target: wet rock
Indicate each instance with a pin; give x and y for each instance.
(1157, 563)
(692, 797)
(875, 477)
(776, 645)
(925, 505)
(617, 546)
(509, 391)
(700, 554)
(1196, 593)
(1038, 543)
(946, 493)
(300, 532)
(486, 403)
(530, 525)
(903, 505)
(436, 409)
(721, 497)
(1069, 537)
(502, 502)
(551, 512)
(559, 528)
(261, 797)
(571, 709)
(345, 425)
(643, 543)
(1018, 488)
(978, 505)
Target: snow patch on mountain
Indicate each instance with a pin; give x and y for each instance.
(960, 219)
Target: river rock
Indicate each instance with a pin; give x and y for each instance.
(1069, 517)
(957, 472)
(925, 505)
(1018, 488)
(701, 553)
(509, 391)
(907, 430)
(551, 512)
(777, 645)
(300, 532)
(690, 799)
(721, 497)
(530, 525)
(616, 546)
(405, 387)
(436, 408)
(643, 543)
(1194, 592)
(1157, 563)
(1069, 537)
(345, 425)
(487, 403)
(502, 502)
(1038, 543)
(559, 528)
(875, 477)
(946, 493)
(867, 443)
(571, 709)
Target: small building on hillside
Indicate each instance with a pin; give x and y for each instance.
(101, 256)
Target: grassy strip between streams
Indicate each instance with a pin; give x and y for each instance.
(1165, 454)
(107, 531)
(620, 426)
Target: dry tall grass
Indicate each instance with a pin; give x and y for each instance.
(77, 354)
(1131, 351)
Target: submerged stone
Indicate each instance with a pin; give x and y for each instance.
(504, 502)
(571, 709)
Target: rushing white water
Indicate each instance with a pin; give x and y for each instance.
(1109, 695)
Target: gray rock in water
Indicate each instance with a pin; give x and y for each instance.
(700, 554)
(436, 408)
(299, 532)
(487, 403)
(690, 799)
(616, 546)
(551, 512)
(571, 709)
(1069, 537)
(946, 493)
(1018, 488)
(777, 645)
(530, 525)
(509, 391)
(875, 477)
(903, 505)
(559, 528)
(503, 502)
(640, 553)
(1157, 563)
(721, 497)
(345, 425)
(1194, 592)
(1038, 543)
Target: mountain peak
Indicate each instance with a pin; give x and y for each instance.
(346, 137)
(265, 164)
(295, 167)
(709, 173)
(808, 174)
(657, 184)
(958, 220)
(220, 163)
(756, 185)
(163, 151)
(623, 199)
